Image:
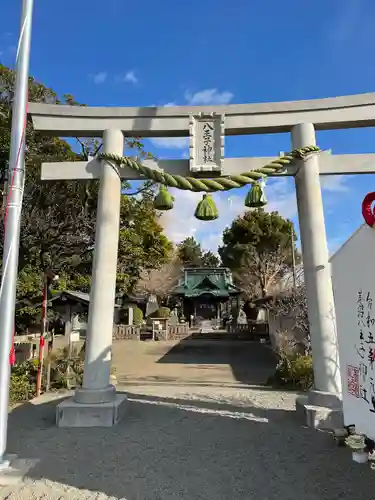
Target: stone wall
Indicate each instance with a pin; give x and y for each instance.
(174, 332)
(126, 332)
(252, 331)
(178, 332)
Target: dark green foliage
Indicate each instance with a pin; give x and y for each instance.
(209, 259)
(23, 381)
(258, 248)
(263, 231)
(190, 254)
(137, 316)
(162, 312)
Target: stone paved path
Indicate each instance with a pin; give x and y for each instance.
(211, 444)
(186, 441)
(194, 362)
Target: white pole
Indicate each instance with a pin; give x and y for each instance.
(16, 180)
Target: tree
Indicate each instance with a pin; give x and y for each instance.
(209, 259)
(142, 244)
(58, 219)
(191, 254)
(293, 305)
(161, 281)
(258, 248)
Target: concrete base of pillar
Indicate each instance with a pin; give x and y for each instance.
(95, 396)
(16, 471)
(69, 413)
(320, 410)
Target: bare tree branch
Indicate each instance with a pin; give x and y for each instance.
(260, 272)
(160, 282)
(293, 305)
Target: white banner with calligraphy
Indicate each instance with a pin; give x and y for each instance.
(353, 277)
(206, 142)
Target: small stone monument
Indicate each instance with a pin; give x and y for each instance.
(173, 320)
(241, 319)
(152, 305)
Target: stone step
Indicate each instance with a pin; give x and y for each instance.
(319, 417)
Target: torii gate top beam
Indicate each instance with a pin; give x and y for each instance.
(240, 119)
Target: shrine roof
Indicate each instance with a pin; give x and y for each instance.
(215, 281)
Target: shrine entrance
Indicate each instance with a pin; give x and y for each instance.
(206, 171)
(207, 307)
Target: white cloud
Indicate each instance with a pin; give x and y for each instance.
(100, 77)
(203, 97)
(180, 222)
(334, 183)
(281, 197)
(351, 16)
(171, 142)
(208, 97)
(130, 77)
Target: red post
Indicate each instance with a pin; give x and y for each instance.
(12, 356)
(42, 337)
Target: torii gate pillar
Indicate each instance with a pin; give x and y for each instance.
(96, 402)
(323, 405)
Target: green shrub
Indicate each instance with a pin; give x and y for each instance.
(21, 389)
(162, 312)
(137, 316)
(23, 381)
(28, 369)
(295, 371)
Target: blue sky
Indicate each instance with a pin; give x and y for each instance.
(124, 53)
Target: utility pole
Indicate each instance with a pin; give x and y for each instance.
(16, 179)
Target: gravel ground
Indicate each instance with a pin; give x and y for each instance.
(197, 427)
(179, 443)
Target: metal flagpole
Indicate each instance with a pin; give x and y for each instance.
(12, 218)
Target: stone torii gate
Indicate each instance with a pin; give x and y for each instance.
(97, 403)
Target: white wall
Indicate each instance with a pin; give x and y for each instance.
(353, 271)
